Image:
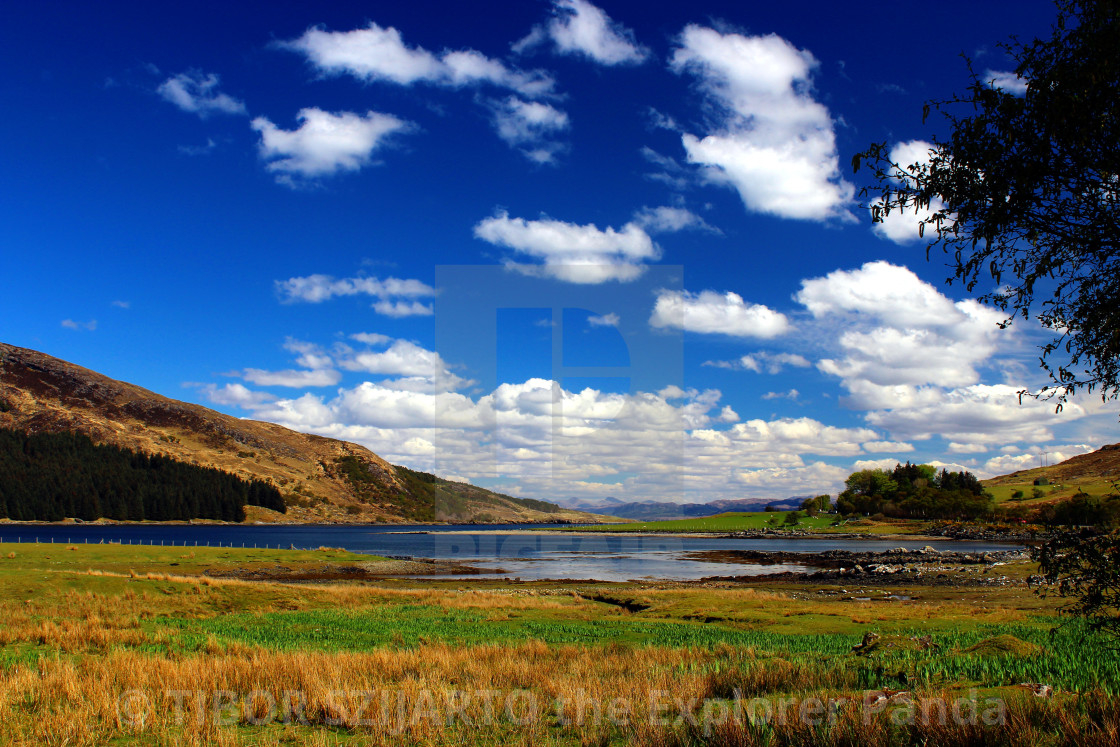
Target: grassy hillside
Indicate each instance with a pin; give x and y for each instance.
(1095, 474)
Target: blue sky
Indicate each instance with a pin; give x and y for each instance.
(561, 249)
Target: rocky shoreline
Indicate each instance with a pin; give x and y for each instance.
(927, 566)
(1025, 534)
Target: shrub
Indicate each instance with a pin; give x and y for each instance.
(1087, 569)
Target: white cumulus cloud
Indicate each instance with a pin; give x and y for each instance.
(920, 364)
(881, 447)
(1006, 80)
(237, 395)
(810, 478)
(897, 332)
(905, 225)
(978, 414)
(551, 442)
(371, 338)
(1035, 457)
(572, 252)
(375, 53)
(402, 358)
(880, 291)
(773, 143)
(710, 312)
(296, 379)
(325, 142)
(317, 370)
(419, 369)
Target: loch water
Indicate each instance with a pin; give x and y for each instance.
(543, 553)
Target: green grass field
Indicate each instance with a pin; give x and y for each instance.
(755, 520)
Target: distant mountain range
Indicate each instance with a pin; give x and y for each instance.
(660, 510)
(321, 479)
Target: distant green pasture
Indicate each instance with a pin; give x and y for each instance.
(754, 520)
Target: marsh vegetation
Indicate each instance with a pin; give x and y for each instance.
(148, 645)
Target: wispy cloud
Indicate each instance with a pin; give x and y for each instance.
(197, 93)
(393, 297)
(199, 150)
(772, 363)
(582, 29)
(530, 126)
(605, 320)
(666, 219)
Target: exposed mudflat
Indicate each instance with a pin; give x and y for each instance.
(372, 570)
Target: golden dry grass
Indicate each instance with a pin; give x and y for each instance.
(528, 693)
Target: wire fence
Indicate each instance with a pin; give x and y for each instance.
(138, 541)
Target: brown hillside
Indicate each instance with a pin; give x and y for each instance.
(1100, 465)
(322, 479)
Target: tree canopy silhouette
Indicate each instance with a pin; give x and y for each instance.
(52, 476)
(914, 491)
(1024, 193)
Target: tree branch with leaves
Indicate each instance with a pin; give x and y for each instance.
(1023, 195)
(1086, 569)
